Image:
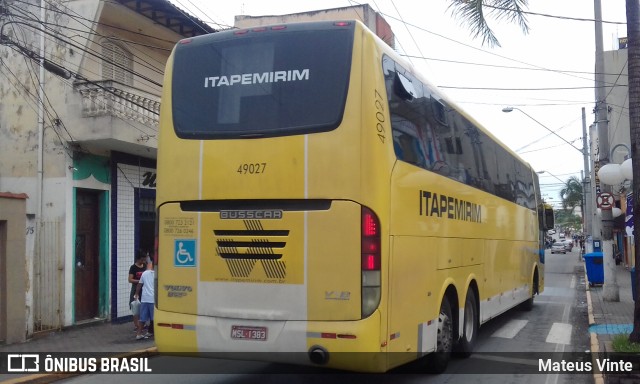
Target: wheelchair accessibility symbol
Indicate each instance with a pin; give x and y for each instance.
(184, 251)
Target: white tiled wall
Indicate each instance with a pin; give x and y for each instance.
(128, 178)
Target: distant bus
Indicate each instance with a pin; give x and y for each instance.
(316, 195)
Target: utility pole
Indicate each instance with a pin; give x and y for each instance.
(611, 290)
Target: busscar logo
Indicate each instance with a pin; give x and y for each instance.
(23, 363)
(259, 214)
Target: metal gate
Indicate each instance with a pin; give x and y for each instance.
(48, 277)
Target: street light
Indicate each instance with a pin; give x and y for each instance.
(511, 109)
(557, 178)
(613, 173)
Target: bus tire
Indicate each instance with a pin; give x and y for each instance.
(528, 305)
(469, 332)
(437, 361)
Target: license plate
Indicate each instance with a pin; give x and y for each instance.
(241, 332)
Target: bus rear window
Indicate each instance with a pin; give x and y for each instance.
(259, 84)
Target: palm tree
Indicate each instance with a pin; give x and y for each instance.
(472, 13)
(571, 194)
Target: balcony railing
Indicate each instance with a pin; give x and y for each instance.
(108, 97)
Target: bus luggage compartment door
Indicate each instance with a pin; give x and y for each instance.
(281, 261)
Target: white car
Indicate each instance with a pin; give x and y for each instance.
(558, 247)
(568, 244)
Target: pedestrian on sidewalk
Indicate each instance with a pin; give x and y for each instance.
(145, 292)
(135, 272)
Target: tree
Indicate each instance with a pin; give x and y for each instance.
(472, 13)
(633, 50)
(566, 219)
(571, 194)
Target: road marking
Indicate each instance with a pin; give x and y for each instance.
(560, 333)
(510, 360)
(573, 282)
(511, 329)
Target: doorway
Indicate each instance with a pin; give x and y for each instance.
(145, 200)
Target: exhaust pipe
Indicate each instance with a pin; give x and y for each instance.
(318, 355)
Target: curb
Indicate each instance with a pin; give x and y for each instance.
(598, 378)
(45, 378)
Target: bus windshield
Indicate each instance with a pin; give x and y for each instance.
(257, 84)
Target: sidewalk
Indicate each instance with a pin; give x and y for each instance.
(608, 319)
(100, 337)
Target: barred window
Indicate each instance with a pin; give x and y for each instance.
(117, 63)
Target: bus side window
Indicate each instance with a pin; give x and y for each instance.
(406, 141)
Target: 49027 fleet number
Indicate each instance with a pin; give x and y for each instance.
(251, 168)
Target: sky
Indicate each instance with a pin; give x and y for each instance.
(547, 74)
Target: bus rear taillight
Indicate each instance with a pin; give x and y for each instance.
(370, 261)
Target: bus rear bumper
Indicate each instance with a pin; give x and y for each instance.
(350, 345)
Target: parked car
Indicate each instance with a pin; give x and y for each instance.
(558, 247)
(568, 244)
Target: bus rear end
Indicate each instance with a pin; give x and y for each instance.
(269, 241)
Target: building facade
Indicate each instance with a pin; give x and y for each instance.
(373, 20)
(78, 142)
(78, 139)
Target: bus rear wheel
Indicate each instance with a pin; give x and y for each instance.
(437, 361)
(470, 326)
(528, 304)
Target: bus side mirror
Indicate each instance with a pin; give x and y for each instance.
(549, 221)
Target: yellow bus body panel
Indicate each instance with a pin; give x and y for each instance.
(311, 295)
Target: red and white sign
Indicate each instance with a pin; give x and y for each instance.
(605, 200)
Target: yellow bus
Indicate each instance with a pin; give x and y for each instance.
(318, 197)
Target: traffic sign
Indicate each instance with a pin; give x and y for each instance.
(605, 200)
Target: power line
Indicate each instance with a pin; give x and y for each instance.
(117, 100)
(555, 16)
(505, 66)
(54, 7)
(477, 49)
(220, 26)
(34, 98)
(56, 35)
(115, 64)
(519, 89)
(190, 18)
(34, 56)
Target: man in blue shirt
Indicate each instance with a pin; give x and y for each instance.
(145, 292)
